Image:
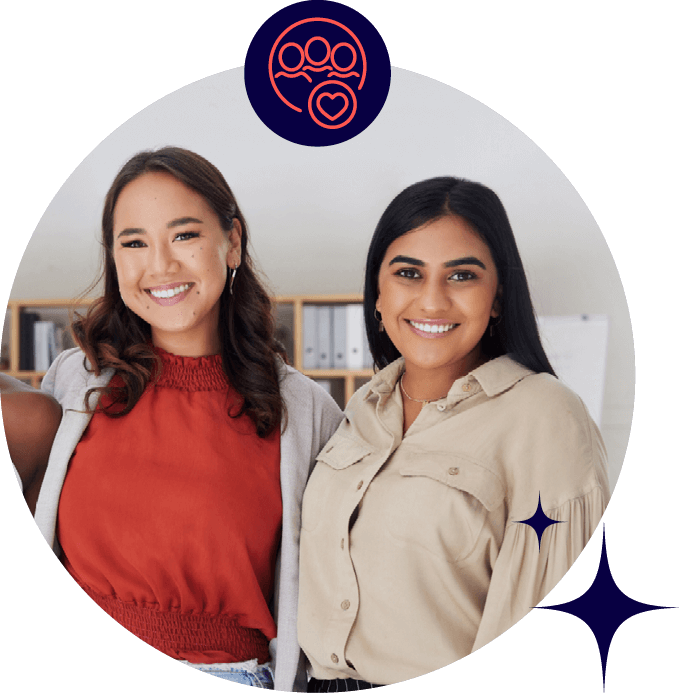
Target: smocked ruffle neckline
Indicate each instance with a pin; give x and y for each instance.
(194, 374)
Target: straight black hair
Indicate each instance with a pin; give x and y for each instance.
(516, 331)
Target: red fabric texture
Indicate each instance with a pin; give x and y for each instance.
(170, 517)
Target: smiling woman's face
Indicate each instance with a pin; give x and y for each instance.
(172, 257)
(438, 288)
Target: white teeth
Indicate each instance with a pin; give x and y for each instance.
(169, 293)
(429, 327)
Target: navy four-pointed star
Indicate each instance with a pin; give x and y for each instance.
(539, 522)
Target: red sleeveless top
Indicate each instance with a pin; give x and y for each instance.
(170, 517)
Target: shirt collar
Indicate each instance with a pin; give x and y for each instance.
(493, 377)
(384, 381)
(498, 375)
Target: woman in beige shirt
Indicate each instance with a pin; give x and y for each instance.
(414, 552)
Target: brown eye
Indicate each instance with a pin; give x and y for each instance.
(186, 235)
(407, 273)
(462, 276)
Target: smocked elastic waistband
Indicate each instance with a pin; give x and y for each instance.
(171, 632)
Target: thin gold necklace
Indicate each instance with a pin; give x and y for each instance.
(412, 399)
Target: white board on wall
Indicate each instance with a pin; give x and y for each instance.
(576, 348)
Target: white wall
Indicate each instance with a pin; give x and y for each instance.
(311, 211)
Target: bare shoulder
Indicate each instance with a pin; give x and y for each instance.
(30, 409)
(31, 419)
(24, 396)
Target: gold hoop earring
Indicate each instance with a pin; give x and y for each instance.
(380, 327)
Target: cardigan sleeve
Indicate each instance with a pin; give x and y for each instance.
(312, 417)
(568, 470)
(66, 373)
(67, 381)
(49, 382)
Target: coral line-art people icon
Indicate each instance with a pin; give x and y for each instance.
(306, 73)
(332, 103)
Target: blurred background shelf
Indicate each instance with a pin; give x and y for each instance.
(289, 314)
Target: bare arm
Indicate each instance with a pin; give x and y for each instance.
(31, 419)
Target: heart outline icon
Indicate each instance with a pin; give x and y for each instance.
(332, 97)
(312, 104)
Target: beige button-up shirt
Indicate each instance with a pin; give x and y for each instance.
(412, 550)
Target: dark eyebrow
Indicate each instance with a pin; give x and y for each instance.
(131, 232)
(407, 260)
(465, 261)
(470, 260)
(181, 221)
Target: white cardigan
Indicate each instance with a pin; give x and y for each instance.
(312, 417)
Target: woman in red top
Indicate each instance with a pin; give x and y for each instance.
(170, 514)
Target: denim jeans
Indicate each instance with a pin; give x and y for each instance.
(248, 673)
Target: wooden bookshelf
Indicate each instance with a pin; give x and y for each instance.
(15, 307)
(348, 377)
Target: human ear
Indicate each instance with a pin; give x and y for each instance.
(234, 238)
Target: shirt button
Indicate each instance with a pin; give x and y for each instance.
(342, 544)
(466, 387)
(359, 486)
(345, 604)
(453, 470)
(441, 406)
(334, 658)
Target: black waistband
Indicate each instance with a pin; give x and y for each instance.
(332, 685)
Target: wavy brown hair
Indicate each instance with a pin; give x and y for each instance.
(112, 336)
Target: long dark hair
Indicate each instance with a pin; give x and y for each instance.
(113, 336)
(516, 331)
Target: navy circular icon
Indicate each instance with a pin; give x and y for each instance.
(317, 73)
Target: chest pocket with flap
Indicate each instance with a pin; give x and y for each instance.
(332, 477)
(442, 502)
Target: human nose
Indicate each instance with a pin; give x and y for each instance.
(162, 260)
(434, 298)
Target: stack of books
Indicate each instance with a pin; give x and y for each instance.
(334, 337)
(39, 343)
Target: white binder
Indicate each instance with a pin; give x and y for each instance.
(44, 344)
(325, 341)
(309, 337)
(339, 336)
(355, 336)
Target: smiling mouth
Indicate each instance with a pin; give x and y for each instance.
(432, 328)
(170, 292)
